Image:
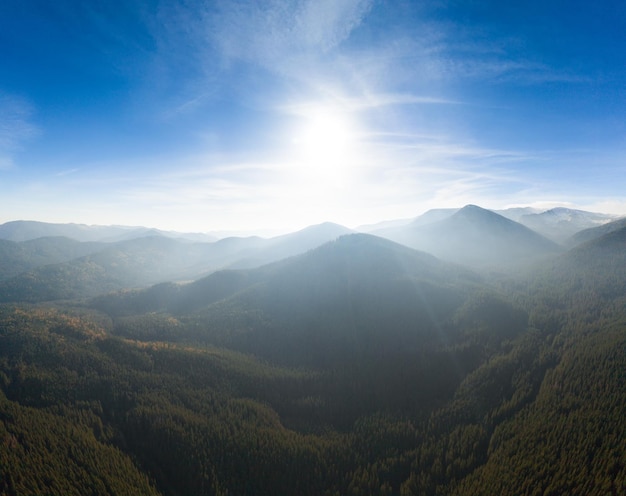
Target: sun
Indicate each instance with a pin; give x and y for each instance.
(325, 146)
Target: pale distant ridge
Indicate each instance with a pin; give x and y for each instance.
(88, 269)
(434, 215)
(24, 230)
(476, 237)
(559, 224)
(471, 236)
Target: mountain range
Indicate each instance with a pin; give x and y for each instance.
(27, 230)
(360, 364)
(48, 268)
(560, 224)
(557, 224)
(473, 236)
(321, 362)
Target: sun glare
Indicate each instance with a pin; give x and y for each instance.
(325, 148)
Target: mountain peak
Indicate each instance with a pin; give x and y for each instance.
(476, 237)
(472, 209)
(476, 214)
(312, 236)
(326, 227)
(561, 223)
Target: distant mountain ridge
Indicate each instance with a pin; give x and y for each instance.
(556, 224)
(24, 230)
(140, 262)
(559, 224)
(475, 237)
(49, 268)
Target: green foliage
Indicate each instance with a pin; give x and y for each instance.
(358, 369)
(571, 439)
(44, 453)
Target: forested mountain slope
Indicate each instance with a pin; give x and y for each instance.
(596, 232)
(570, 439)
(357, 293)
(24, 256)
(134, 263)
(367, 368)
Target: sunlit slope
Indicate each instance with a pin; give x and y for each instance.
(357, 296)
(357, 293)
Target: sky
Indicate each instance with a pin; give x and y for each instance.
(273, 115)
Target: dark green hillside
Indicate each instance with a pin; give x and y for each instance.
(583, 288)
(546, 417)
(52, 436)
(195, 420)
(570, 440)
(200, 420)
(61, 454)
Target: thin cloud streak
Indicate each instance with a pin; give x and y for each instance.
(366, 102)
(15, 127)
(270, 32)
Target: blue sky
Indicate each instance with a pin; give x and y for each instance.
(232, 115)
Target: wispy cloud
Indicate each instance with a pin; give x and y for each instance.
(252, 49)
(67, 172)
(270, 32)
(15, 127)
(365, 102)
(309, 49)
(306, 48)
